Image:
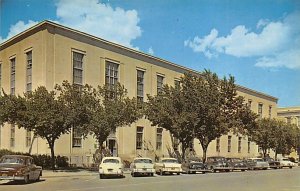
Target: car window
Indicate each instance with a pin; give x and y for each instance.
(169, 161)
(10, 160)
(143, 161)
(285, 159)
(259, 160)
(116, 161)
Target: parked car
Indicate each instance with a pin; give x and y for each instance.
(257, 163)
(218, 164)
(193, 166)
(19, 167)
(142, 166)
(273, 163)
(237, 164)
(168, 165)
(285, 162)
(111, 166)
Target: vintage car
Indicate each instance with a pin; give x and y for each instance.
(168, 165)
(237, 164)
(218, 164)
(257, 163)
(111, 166)
(192, 166)
(142, 166)
(273, 163)
(19, 167)
(285, 162)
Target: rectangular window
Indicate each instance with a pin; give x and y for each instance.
(139, 137)
(12, 76)
(218, 145)
(229, 143)
(160, 82)
(259, 149)
(240, 145)
(12, 135)
(77, 138)
(260, 108)
(249, 103)
(175, 143)
(0, 78)
(111, 73)
(140, 85)
(77, 68)
(28, 138)
(177, 84)
(159, 138)
(249, 146)
(29, 71)
(270, 111)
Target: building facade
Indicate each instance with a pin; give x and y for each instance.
(48, 53)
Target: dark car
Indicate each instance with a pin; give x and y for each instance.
(273, 163)
(237, 164)
(192, 166)
(218, 164)
(19, 167)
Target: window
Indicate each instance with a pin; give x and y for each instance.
(0, 78)
(175, 143)
(229, 143)
(29, 71)
(159, 138)
(77, 68)
(12, 76)
(139, 137)
(218, 145)
(12, 135)
(140, 85)
(270, 111)
(249, 146)
(177, 84)
(111, 73)
(240, 145)
(260, 107)
(160, 82)
(28, 138)
(259, 149)
(249, 103)
(77, 138)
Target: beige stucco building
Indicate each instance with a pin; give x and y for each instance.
(48, 53)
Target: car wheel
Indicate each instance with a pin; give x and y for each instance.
(290, 167)
(178, 173)
(26, 179)
(161, 172)
(101, 176)
(152, 174)
(243, 170)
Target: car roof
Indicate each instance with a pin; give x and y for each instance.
(168, 158)
(17, 156)
(118, 158)
(142, 158)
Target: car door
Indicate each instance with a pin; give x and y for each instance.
(32, 169)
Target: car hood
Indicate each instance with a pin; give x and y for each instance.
(144, 165)
(11, 166)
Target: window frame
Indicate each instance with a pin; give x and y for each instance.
(159, 137)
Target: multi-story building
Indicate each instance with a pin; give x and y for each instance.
(49, 53)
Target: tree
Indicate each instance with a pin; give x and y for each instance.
(218, 108)
(110, 109)
(170, 110)
(265, 136)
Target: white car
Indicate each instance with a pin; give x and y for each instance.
(111, 166)
(168, 165)
(285, 162)
(142, 166)
(257, 163)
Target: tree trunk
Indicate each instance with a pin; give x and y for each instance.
(100, 142)
(183, 149)
(264, 152)
(51, 145)
(204, 148)
(276, 154)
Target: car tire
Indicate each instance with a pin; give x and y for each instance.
(101, 176)
(26, 179)
(178, 173)
(290, 167)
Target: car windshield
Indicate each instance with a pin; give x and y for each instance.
(169, 161)
(219, 159)
(111, 161)
(143, 161)
(235, 160)
(10, 160)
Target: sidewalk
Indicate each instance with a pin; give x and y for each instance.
(72, 173)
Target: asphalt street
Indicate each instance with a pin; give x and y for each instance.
(263, 180)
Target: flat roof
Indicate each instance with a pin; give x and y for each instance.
(42, 25)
